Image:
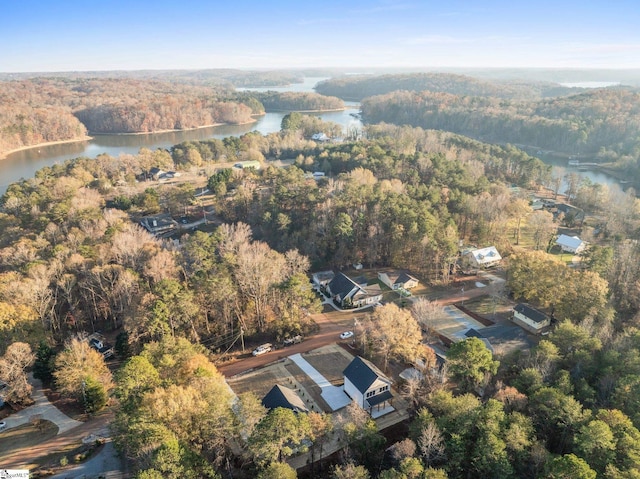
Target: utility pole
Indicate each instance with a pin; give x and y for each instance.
(242, 338)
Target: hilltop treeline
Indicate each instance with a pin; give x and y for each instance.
(356, 88)
(53, 109)
(602, 122)
(297, 101)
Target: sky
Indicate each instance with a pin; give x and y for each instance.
(89, 35)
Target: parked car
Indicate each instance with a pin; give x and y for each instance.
(3, 425)
(262, 349)
(346, 335)
(291, 341)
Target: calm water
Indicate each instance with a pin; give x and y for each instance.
(24, 164)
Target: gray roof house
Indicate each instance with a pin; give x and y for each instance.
(365, 384)
(347, 293)
(280, 396)
(160, 224)
(571, 244)
(530, 318)
(397, 279)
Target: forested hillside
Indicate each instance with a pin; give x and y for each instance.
(295, 101)
(602, 123)
(356, 88)
(73, 258)
(55, 109)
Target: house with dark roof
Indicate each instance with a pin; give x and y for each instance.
(322, 278)
(397, 279)
(570, 213)
(530, 318)
(348, 294)
(159, 225)
(280, 396)
(501, 338)
(367, 385)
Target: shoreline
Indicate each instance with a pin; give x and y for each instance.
(5, 154)
(309, 111)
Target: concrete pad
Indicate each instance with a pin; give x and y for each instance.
(378, 413)
(335, 397)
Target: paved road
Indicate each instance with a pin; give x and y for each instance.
(105, 463)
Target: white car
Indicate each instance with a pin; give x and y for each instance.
(346, 335)
(262, 349)
(3, 425)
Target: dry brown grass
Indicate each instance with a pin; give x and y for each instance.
(26, 436)
(330, 362)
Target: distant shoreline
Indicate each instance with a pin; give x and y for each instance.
(5, 154)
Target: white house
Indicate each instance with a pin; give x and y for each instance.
(571, 244)
(397, 279)
(530, 318)
(319, 137)
(367, 385)
(482, 258)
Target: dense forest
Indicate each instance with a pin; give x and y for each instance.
(72, 259)
(296, 101)
(603, 124)
(357, 88)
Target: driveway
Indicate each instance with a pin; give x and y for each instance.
(105, 463)
(44, 408)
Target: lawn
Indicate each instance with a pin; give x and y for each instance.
(26, 436)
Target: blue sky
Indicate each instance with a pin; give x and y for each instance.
(67, 35)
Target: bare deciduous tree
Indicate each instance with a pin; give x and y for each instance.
(13, 367)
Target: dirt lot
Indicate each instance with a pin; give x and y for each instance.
(330, 361)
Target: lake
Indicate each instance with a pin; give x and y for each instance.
(24, 164)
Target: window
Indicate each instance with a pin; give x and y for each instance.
(383, 389)
(370, 393)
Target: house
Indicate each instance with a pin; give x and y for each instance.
(571, 244)
(502, 338)
(367, 385)
(156, 173)
(159, 225)
(481, 258)
(319, 137)
(322, 278)
(570, 214)
(397, 279)
(279, 396)
(348, 294)
(530, 318)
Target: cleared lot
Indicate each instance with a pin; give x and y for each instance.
(330, 361)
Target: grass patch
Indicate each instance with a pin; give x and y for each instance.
(25, 436)
(486, 305)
